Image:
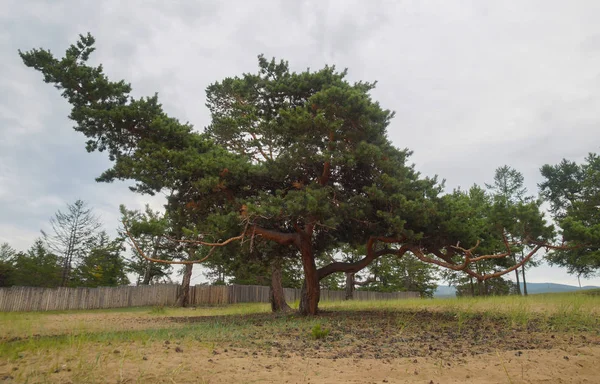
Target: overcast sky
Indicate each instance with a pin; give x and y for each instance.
(475, 84)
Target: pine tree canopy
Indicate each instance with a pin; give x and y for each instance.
(301, 159)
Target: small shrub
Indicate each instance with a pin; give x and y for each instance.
(318, 333)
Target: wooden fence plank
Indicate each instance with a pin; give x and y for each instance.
(49, 299)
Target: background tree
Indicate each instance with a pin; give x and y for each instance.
(6, 273)
(494, 287)
(498, 228)
(392, 274)
(573, 191)
(508, 187)
(471, 216)
(37, 267)
(7, 254)
(149, 228)
(509, 191)
(72, 231)
(103, 265)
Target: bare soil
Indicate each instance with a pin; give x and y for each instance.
(394, 334)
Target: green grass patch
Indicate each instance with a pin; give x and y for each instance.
(318, 333)
(253, 324)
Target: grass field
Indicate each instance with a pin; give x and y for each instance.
(541, 338)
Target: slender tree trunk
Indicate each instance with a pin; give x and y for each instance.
(276, 292)
(66, 269)
(481, 288)
(349, 285)
(69, 254)
(148, 270)
(524, 281)
(517, 275)
(147, 273)
(472, 287)
(309, 299)
(184, 295)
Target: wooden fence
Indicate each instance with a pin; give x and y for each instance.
(59, 299)
(230, 294)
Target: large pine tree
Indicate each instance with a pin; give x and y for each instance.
(300, 159)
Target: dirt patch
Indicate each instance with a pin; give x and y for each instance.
(394, 334)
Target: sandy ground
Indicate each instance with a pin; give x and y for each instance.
(160, 363)
(363, 347)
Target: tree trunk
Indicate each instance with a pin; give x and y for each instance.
(65, 271)
(481, 288)
(349, 285)
(184, 295)
(147, 273)
(579, 280)
(524, 281)
(309, 299)
(517, 275)
(472, 288)
(276, 293)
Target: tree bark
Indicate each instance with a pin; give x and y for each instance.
(184, 295)
(517, 275)
(147, 273)
(66, 271)
(276, 292)
(472, 288)
(349, 285)
(310, 294)
(524, 281)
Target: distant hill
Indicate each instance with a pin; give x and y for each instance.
(533, 288)
(444, 291)
(552, 287)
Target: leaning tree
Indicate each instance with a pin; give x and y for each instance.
(299, 159)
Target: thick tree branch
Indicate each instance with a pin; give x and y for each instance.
(464, 266)
(276, 236)
(141, 252)
(469, 252)
(505, 271)
(418, 252)
(283, 238)
(365, 261)
(447, 257)
(208, 244)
